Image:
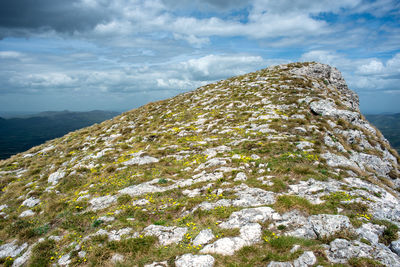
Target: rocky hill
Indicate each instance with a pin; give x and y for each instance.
(272, 168)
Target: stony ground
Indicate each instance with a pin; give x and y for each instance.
(272, 168)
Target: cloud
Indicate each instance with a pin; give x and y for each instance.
(106, 18)
(214, 67)
(10, 54)
(44, 15)
(373, 67)
(180, 75)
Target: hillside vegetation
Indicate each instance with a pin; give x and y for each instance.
(272, 168)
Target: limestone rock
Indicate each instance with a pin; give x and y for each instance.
(241, 176)
(55, 177)
(166, 235)
(225, 246)
(31, 202)
(306, 259)
(12, 249)
(26, 213)
(100, 203)
(157, 264)
(190, 260)
(325, 225)
(251, 215)
(203, 237)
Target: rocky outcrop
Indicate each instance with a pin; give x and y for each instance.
(272, 168)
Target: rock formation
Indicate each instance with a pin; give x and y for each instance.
(273, 168)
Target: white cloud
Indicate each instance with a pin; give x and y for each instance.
(373, 67)
(213, 67)
(10, 54)
(197, 42)
(327, 57)
(177, 75)
(266, 19)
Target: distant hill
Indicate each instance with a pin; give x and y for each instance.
(389, 125)
(20, 134)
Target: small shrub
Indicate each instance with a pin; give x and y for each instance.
(162, 181)
(96, 223)
(364, 262)
(42, 253)
(281, 227)
(123, 199)
(133, 245)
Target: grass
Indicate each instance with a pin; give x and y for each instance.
(165, 128)
(43, 254)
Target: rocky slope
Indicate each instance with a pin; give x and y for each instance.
(272, 168)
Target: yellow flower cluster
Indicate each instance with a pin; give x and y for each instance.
(267, 238)
(365, 216)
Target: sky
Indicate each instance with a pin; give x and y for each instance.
(121, 54)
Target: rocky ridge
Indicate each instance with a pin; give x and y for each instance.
(273, 168)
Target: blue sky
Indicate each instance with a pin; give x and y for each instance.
(121, 54)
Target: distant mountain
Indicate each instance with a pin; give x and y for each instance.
(20, 134)
(389, 125)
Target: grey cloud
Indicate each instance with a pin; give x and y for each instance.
(207, 5)
(38, 15)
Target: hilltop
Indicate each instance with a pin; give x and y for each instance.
(272, 168)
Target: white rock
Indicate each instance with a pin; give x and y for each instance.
(304, 144)
(252, 197)
(55, 177)
(341, 250)
(251, 215)
(371, 232)
(117, 258)
(166, 235)
(295, 248)
(100, 203)
(306, 259)
(116, 235)
(251, 233)
(157, 264)
(190, 260)
(241, 176)
(106, 218)
(141, 160)
(279, 264)
(203, 237)
(12, 249)
(328, 108)
(26, 213)
(325, 225)
(140, 202)
(192, 193)
(31, 202)
(225, 246)
(334, 160)
(64, 260)
(20, 261)
(395, 247)
(82, 254)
